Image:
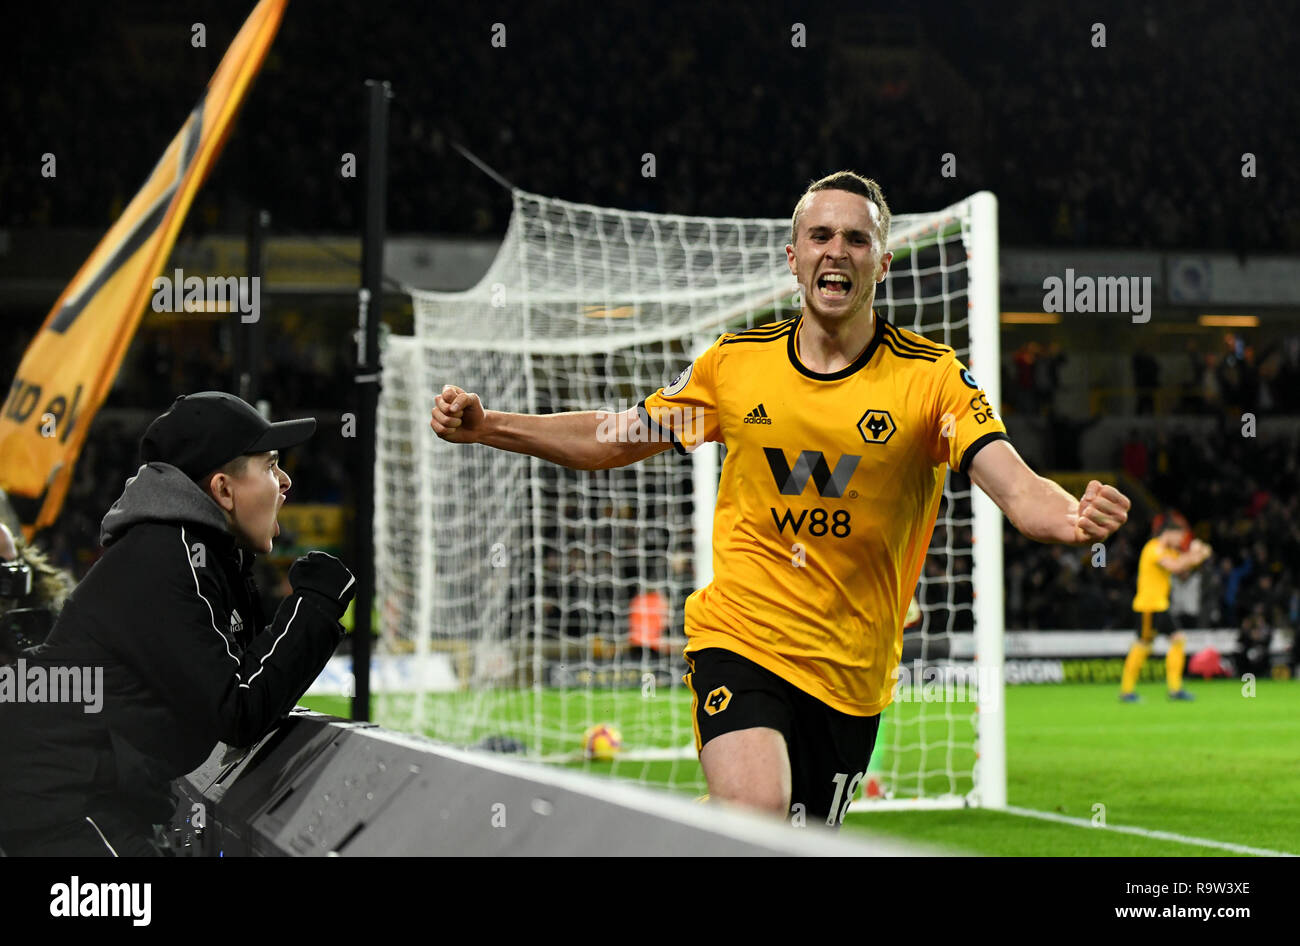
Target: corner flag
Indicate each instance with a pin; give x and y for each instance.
(70, 365)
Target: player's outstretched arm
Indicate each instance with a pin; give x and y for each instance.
(1039, 508)
(583, 440)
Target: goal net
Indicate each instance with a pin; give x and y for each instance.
(522, 603)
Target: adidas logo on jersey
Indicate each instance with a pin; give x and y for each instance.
(758, 416)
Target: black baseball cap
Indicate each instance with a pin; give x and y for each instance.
(205, 431)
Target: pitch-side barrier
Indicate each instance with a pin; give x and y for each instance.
(318, 786)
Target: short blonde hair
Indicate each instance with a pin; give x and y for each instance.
(845, 181)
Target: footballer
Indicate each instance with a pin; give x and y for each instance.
(839, 428)
(1172, 550)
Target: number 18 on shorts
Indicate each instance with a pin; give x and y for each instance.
(828, 750)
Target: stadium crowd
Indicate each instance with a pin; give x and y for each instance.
(1241, 500)
(1114, 158)
(1231, 376)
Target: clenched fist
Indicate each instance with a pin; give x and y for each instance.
(324, 574)
(457, 416)
(1102, 510)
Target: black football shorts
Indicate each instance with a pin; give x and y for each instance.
(829, 750)
(1151, 623)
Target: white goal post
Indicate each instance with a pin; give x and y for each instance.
(523, 602)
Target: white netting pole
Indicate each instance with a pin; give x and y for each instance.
(422, 446)
(985, 364)
(537, 633)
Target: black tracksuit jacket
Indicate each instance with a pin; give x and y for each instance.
(171, 614)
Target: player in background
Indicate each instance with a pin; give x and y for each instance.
(1171, 551)
(839, 429)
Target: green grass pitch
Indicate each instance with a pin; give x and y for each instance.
(1224, 768)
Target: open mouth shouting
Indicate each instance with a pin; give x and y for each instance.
(834, 285)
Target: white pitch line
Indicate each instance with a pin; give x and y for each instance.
(1143, 832)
